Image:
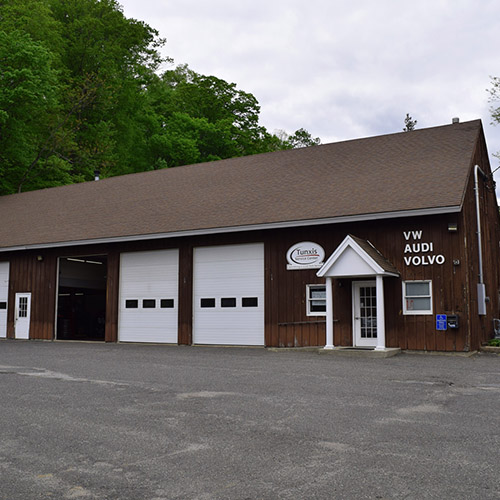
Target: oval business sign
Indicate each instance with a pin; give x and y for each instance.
(305, 255)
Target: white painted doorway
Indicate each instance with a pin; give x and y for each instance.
(364, 322)
(22, 316)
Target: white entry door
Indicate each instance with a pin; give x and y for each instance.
(22, 316)
(364, 322)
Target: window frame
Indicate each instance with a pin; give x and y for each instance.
(309, 299)
(419, 312)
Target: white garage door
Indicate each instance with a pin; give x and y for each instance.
(228, 295)
(148, 296)
(4, 294)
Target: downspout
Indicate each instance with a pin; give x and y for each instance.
(481, 291)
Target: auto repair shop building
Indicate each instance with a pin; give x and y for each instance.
(388, 241)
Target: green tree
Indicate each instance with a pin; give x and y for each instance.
(494, 100)
(81, 90)
(29, 110)
(100, 64)
(410, 123)
(205, 118)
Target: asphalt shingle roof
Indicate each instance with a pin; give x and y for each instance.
(425, 168)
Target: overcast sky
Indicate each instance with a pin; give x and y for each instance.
(342, 69)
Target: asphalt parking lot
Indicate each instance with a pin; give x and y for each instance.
(95, 421)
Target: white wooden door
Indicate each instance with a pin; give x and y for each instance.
(22, 316)
(4, 294)
(228, 295)
(364, 294)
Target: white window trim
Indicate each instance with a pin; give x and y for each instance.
(309, 300)
(418, 312)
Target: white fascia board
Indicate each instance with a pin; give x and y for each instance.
(236, 229)
(349, 242)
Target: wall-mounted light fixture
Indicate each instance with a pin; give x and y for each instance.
(39, 258)
(452, 227)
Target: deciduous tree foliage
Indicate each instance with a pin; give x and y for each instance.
(81, 89)
(494, 99)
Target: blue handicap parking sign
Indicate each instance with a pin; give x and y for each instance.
(441, 322)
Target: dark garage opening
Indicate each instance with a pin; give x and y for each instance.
(81, 306)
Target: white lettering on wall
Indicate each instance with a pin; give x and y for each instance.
(420, 247)
(415, 234)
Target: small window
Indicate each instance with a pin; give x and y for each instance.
(23, 307)
(3, 305)
(148, 303)
(250, 302)
(131, 304)
(316, 300)
(207, 302)
(167, 303)
(417, 297)
(228, 302)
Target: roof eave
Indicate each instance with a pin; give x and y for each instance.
(234, 229)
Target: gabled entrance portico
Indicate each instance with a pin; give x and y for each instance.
(359, 259)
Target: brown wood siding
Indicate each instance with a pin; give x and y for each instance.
(481, 327)
(27, 274)
(112, 294)
(288, 288)
(286, 321)
(185, 294)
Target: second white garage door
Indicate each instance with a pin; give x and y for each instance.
(148, 296)
(228, 295)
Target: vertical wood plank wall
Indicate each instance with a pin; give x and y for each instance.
(112, 294)
(27, 274)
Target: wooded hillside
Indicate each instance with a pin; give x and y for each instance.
(83, 88)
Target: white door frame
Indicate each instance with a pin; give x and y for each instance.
(22, 316)
(356, 315)
(379, 341)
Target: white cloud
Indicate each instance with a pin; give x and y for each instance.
(341, 69)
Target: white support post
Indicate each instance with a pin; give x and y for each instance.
(329, 314)
(380, 314)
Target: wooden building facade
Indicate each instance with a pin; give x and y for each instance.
(391, 241)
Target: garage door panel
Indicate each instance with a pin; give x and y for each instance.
(149, 278)
(229, 272)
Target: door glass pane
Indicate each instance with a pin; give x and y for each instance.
(368, 312)
(23, 307)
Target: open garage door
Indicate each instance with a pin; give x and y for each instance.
(81, 298)
(148, 296)
(228, 295)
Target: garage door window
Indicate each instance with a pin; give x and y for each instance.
(131, 304)
(250, 302)
(207, 302)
